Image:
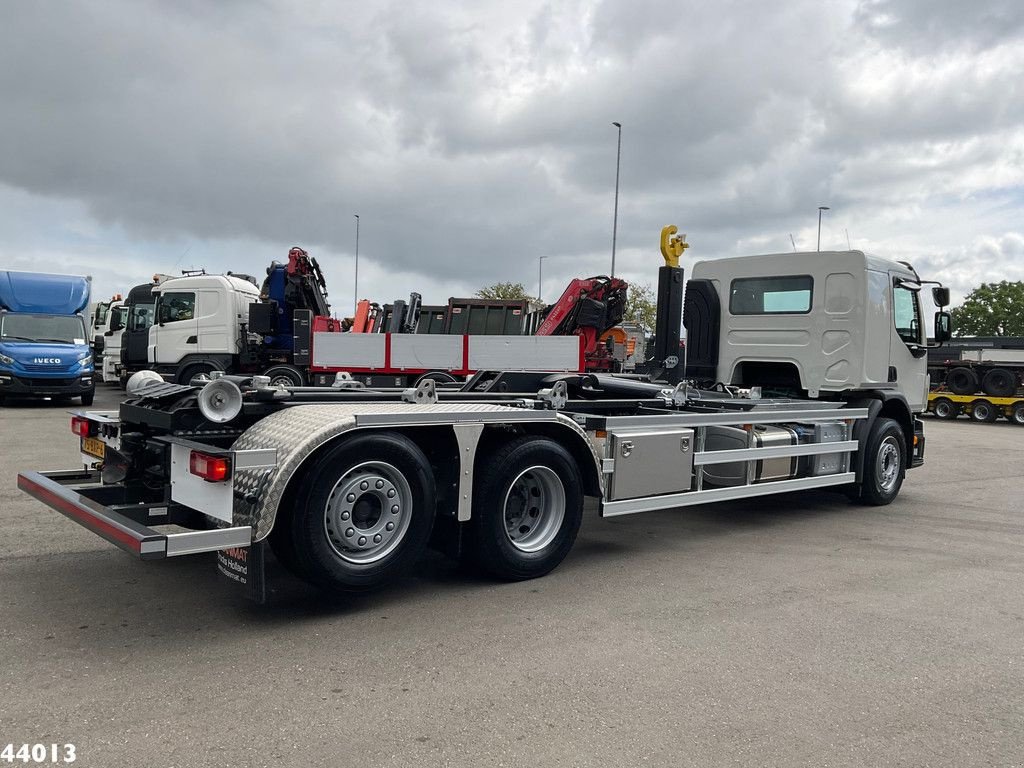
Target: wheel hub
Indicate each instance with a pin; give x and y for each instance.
(368, 512)
(888, 464)
(534, 509)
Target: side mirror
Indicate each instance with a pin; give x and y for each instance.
(116, 324)
(163, 314)
(943, 326)
(940, 295)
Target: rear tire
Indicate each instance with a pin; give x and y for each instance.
(441, 377)
(1016, 413)
(999, 382)
(984, 411)
(962, 381)
(363, 514)
(286, 376)
(885, 464)
(88, 397)
(527, 509)
(944, 408)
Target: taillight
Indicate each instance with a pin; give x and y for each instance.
(82, 426)
(212, 468)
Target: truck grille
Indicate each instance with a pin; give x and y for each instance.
(47, 382)
(46, 368)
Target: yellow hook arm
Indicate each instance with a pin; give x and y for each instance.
(672, 247)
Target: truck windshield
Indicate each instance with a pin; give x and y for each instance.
(101, 315)
(60, 329)
(140, 317)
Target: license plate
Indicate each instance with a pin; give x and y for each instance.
(93, 446)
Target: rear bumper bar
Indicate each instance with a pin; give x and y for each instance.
(80, 496)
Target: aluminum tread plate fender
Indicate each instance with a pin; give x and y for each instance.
(296, 432)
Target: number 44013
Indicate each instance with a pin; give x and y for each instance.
(38, 753)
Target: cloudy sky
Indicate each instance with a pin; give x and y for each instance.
(474, 137)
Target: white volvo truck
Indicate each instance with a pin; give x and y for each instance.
(803, 371)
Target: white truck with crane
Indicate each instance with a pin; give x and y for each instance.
(348, 485)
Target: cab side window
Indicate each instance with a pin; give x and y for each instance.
(906, 314)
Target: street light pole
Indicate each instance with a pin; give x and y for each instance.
(820, 209)
(540, 277)
(615, 217)
(356, 285)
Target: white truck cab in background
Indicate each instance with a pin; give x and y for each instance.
(198, 323)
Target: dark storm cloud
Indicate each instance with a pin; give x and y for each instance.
(472, 138)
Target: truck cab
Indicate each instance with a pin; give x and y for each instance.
(198, 324)
(818, 325)
(44, 341)
(111, 334)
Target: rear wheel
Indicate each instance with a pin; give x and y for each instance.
(88, 397)
(1017, 413)
(884, 463)
(962, 381)
(944, 408)
(285, 376)
(441, 377)
(999, 382)
(363, 514)
(983, 410)
(527, 510)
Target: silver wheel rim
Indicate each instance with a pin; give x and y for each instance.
(1018, 415)
(368, 512)
(534, 509)
(888, 463)
(282, 380)
(981, 412)
(942, 410)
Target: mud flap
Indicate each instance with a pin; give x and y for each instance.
(246, 567)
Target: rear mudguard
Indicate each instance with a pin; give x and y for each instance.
(297, 432)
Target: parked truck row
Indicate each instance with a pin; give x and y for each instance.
(198, 324)
(805, 370)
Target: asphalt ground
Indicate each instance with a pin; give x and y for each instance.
(795, 630)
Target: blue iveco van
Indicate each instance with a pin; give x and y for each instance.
(44, 347)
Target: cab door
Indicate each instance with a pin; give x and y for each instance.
(175, 333)
(908, 350)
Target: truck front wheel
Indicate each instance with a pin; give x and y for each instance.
(884, 463)
(527, 509)
(363, 515)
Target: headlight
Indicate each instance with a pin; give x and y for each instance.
(85, 360)
(6, 360)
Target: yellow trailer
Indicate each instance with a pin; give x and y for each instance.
(985, 408)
